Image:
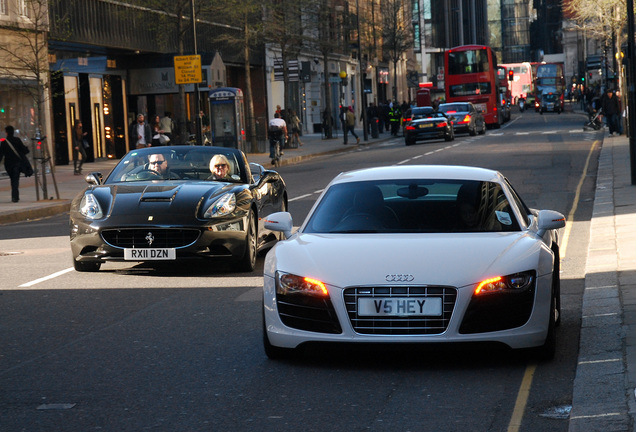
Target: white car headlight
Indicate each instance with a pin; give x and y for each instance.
(517, 282)
(290, 284)
(90, 208)
(223, 206)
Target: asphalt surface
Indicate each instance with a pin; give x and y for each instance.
(604, 397)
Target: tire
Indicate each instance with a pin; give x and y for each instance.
(86, 266)
(409, 142)
(248, 262)
(483, 129)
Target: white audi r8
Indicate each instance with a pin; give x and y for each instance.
(414, 254)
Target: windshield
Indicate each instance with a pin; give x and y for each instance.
(188, 163)
(413, 206)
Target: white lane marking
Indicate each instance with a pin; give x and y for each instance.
(45, 278)
(300, 197)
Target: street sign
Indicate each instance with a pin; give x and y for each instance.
(187, 69)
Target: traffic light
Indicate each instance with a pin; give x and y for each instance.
(511, 75)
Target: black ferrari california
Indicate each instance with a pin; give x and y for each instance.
(176, 203)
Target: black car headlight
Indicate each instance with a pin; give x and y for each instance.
(90, 208)
(222, 206)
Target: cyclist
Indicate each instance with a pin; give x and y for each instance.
(277, 132)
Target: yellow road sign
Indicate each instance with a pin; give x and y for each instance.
(187, 69)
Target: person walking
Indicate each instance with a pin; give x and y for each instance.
(167, 124)
(140, 133)
(12, 150)
(155, 126)
(350, 121)
(294, 124)
(611, 110)
(79, 151)
(395, 117)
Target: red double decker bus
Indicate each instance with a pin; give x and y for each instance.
(471, 76)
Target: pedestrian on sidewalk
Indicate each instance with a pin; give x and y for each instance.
(611, 111)
(140, 133)
(350, 121)
(12, 150)
(78, 148)
(294, 124)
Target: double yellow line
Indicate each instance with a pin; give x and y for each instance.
(526, 382)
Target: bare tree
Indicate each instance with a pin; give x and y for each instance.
(24, 62)
(247, 15)
(283, 27)
(177, 15)
(397, 33)
(325, 35)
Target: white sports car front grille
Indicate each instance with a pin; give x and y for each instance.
(400, 324)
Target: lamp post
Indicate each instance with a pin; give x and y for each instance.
(363, 95)
(631, 91)
(197, 96)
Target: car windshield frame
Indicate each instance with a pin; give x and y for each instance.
(413, 206)
(185, 163)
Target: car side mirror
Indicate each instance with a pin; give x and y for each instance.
(280, 222)
(549, 220)
(94, 178)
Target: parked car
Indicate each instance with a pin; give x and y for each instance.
(164, 204)
(414, 254)
(551, 102)
(426, 123)
(465, 116)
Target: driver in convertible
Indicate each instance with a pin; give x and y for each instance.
(158, 163)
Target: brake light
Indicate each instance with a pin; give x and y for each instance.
(451, 112)
(410, 127)
(466, 119)
(442, 124)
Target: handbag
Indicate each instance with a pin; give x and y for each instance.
(163, 139)
(25, 165)
(85, 143)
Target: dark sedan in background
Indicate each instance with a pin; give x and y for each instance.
(163, 204)
(466, 118)
(426, 123)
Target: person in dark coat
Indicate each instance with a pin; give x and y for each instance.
(12, 149)
(611, 110)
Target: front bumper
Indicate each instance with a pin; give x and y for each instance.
(455, 326)
(95, 243)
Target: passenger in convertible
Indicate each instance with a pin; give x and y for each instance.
(220, 167)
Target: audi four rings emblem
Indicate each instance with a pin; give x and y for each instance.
(399, 278)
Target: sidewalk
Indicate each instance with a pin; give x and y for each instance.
(604, 397)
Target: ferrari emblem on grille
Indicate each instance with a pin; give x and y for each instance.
(150, 238)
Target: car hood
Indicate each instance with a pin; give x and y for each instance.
(445, 259)
(163, 201)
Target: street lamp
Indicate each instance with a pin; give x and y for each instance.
(197, 96)
(363, 95)
(631, 86)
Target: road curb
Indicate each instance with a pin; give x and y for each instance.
(55, 208)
